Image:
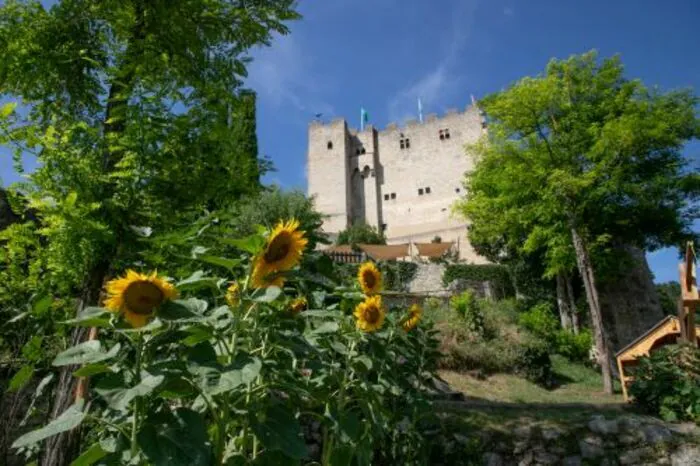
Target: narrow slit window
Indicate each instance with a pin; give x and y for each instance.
(329, 145)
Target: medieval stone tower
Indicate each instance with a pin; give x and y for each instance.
(402, 180)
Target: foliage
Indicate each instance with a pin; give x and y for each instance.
(541, 321)
(396, 274)
(667, 383)
(467, 306)
(669, 294)
(361, 233)
(534, 364)
(497, 275)
(208, 382)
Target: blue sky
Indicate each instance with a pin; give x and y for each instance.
(384, 54)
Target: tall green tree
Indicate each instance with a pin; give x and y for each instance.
(132, 109)
(579, 158)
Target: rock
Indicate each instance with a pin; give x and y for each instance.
(629, 424)
(558, 450)
(686, 455)
(655, 433)
(600, 426)
(591, 447)
(493, 459)
(636, 455)
(685, 428)
(550, 434)
(571, 461)
(608, 462)
(520, 447)
(546, 458)
(527, 459)
(630, 439)
(523, 432)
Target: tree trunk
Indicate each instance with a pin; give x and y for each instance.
(575, 318)
(586, 270)
(563, 302)
(62, 449)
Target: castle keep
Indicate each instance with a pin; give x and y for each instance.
(403, 180)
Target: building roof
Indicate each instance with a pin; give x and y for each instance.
(644, 335)
(433, 249)
(385, 252)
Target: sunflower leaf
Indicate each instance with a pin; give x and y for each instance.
(85, 353)
(196, 281)
(278, 429)
(224, 262)
(271, 293)
(70, 419)
(91, 317)
(252, 244)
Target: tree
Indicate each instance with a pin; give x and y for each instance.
(361, 234)
(579, 158)
(129, 108)
(669, 294)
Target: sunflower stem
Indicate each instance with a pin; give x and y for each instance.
(137, 401)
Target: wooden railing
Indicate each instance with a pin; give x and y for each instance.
(347, 257)
(689, 299)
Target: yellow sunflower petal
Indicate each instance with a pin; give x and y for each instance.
(298, 305)
(233, 294)
(263, 277)
(370, 314)
(138, 296)
(370, 278)
(414, 315)
(284, 247)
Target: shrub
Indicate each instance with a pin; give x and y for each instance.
(466, 305)
(497, 275)
(533, 363)
(667, 383)
(361, 234)
(541, 321)
(574, 347)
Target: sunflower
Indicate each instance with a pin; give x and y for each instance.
(414, 315)
(233, 294)
(370, 278)
(264, 278)
(298, 305)
(284, 247)
(370, 314)
(138, 296)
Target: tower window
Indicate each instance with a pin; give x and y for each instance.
(329, 145)
(386, 197)
(427, 190)
(457, 190)
(362, 151)
(444, 134)
(383, 226)
(393, 195)
(404, 143)
(420, 191)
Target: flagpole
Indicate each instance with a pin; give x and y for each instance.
(362, 119)
(420, 111)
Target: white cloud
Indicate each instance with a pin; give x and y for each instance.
(283, 75)
(439, 84)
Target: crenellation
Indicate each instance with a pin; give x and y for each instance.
(402, 179)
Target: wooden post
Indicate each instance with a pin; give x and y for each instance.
(689, 296)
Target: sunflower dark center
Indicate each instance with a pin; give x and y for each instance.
(143, 297)
(370, 279)
(278, 248)
(372, 314)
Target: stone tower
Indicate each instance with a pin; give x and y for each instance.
(403, 180)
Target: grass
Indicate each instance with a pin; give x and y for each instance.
(577, 384)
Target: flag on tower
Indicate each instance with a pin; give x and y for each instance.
(364, 118)
(420, 110)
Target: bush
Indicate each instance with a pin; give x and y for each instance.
(541, 321)
(466, 305)
(361, 234)
(533, 363)
(667, 383)
(497, 275)
(574, 347)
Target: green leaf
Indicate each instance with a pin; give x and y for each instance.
(90, 456)
(317, 313)
(7, 109)
(92, 369)
(365, 360)
(228, 264)
(196, 281)
(70, 419)
(270, 294)
(85, 353)
(187, 309)
(252, 244)
(91, 317)
(118, 397)
(176, 439)
(326, 327)
(42, 305)
(21, 378)
(232, 379)
(278, 429)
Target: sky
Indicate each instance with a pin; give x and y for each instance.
(385, 54)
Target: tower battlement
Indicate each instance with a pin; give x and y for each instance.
(403, 179)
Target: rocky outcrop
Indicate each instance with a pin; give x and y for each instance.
(629, 301)
(625, 440)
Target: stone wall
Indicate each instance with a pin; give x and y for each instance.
(629, 302)
(625, 440)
